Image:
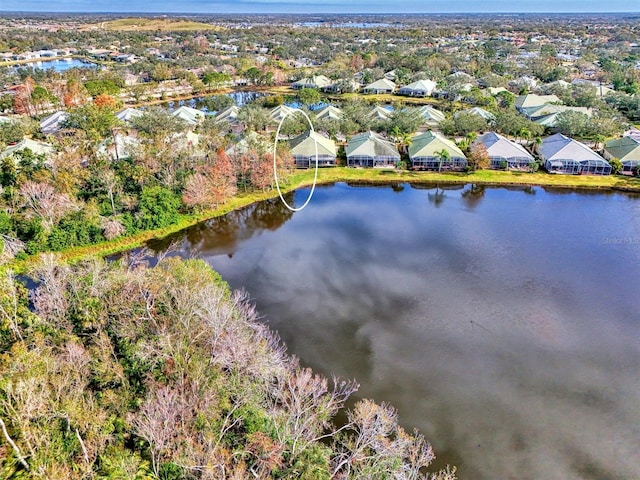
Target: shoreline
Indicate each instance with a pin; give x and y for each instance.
(328, 176)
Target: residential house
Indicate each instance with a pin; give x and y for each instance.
(421, 88)
(370, 149)
(625, 149)
(432, 116)
(190, 115)
(129, 114)
(425, 152)
(38, 148)
(329, 113)
(53, 123)
(504, 152)
(317, 82)
(305, 147)
(380, 86)
(562, 154)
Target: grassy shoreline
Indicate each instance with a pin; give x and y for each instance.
(301, 179)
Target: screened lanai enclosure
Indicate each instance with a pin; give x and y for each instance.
(512, 163)
(566, 165)
(368, 161)
(629, 165)
(309, 161)
(433, 163)
(595, 167)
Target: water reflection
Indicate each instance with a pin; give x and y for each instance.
(508, 332)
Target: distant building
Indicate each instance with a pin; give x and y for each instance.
(421, 88)
(190, 115)
(53, 123)
(317, 82)
(380, 86)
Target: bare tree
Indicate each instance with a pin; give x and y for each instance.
(45, 202)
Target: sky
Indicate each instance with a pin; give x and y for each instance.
(320, 6)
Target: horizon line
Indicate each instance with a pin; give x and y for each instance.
(324, 13)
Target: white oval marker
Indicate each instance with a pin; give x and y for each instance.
(275, 169)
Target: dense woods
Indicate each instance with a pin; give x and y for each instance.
(123, 371)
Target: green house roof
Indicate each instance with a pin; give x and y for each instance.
(305, 145)
(370, 144)
(625, 148)
(429, 144)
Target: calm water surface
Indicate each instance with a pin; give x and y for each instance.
(504, 324)
(59, 65)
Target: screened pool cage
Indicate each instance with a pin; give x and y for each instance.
(512, 163)
(305, 161)
(629, 165)
(575, 167)
(595, 167)
(433, 163)
(368, 161)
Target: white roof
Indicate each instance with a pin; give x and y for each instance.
(317, 81)
(431, 114)
(559, 147)
(533, 100)
(279, 112)
(52, 123)
(128, 114)
(481, 112)
(499, 146)
(122, 147)
(329, 111)
(191, 115)
(36, 147)
(420, 85)
(229, 114)
(380, 113)
(382, 84)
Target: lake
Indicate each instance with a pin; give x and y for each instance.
(59, 65)
(504, 323)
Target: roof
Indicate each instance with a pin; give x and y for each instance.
(548, 109)
(128, 113)
(371, 144)
(560, 147)
(279, 112)
(481, 112)
(53, 123)
(251, 140)
(122, 147)
(305, 144)
(429, 144)
(36, 147)
(533, 100)
(382, 84)
(380, 113)
(229, 114)
(499, 146)
(497, 90)
(431, 114)
(188, 114)
(420, 85)
(329, 111)
(317, 81)
(625, 148)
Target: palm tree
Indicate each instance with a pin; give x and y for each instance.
(443, 156)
